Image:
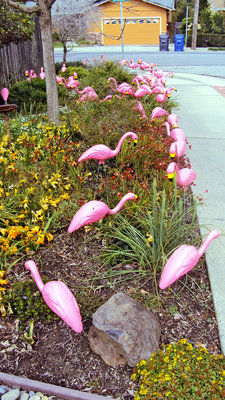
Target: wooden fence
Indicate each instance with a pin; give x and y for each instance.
(16, 58)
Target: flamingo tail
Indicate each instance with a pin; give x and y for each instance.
(211, 236)
(128, 196)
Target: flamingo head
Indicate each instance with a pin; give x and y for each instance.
(134, 137)
(173, 150)
(171, 171)
(26, 73)
(30, 265)
(139, 61)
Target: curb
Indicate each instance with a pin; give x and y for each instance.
(48, 389)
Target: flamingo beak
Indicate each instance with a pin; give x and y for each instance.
(168, 95)
(172, 155)
(135, 142)
(175, 126)
(170, 177)
(136, 197)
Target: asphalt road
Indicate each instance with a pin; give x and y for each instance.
(203, 62)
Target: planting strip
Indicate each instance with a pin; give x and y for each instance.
(47, 388)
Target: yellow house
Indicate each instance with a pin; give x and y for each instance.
(143, 21)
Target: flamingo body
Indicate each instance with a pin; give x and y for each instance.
(63, 69)
(101, 152)
(158, 112)
(59, 298)
(185, 176)
(176, 134)
(183, 260)
(93, 211)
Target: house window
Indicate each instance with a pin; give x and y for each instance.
(119, 21)
(134, 21)
(127, 21)
(141, 21)
(155, 20)
(113, 21)
(148, 20)
(106, 21)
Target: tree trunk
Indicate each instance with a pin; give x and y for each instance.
(49, 62)
(195, 25)
(64, 53)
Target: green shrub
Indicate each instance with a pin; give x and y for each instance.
(32, 94)
(25, 301)
(180, 371)
(74, 64)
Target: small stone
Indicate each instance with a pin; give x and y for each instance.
(11, 395)
(39, 394)
(31, 393)
(24, 395)
(35, 397)
(44, 398)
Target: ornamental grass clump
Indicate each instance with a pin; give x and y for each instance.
(180, 371)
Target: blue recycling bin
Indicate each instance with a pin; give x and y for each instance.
(179, 42)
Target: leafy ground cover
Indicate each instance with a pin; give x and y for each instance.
(42, 186)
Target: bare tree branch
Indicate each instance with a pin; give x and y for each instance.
(14, 4)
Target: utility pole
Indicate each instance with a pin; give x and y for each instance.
(195, 25)
(121, 18)
(186, 26)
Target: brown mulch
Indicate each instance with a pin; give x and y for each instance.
(62, 357)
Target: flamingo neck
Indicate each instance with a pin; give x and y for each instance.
(76, 88)
(167, 125)
(116, 151)
(113, 79)
(34, 271)
(212, 235)
(128, 196)
(138, 84)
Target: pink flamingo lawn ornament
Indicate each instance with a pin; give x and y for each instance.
(94, 211)
(183, 260)
(123, 88)
(101, 152)
(5, 94)
(177, 149)
(132, 64)
(172, 120)
(139, 107)
(176, 133)
(63, 69)
(185, 176)
(42, 74)
(158, 112)
(59, 298)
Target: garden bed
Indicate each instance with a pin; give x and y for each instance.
(64, 358)
(42, 186)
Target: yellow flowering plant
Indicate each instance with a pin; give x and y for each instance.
(180, 371)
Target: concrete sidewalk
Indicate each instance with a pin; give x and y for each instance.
(201, 115)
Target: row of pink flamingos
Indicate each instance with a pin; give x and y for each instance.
(185, 257)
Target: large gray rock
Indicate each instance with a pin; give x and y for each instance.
(124, 331)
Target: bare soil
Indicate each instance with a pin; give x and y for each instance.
(62, 357)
